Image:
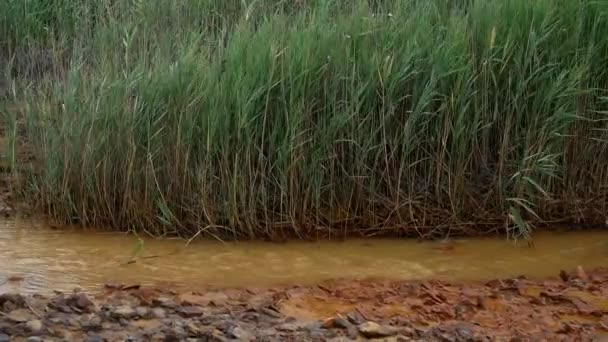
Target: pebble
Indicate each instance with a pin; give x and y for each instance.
(4, 337)
(242, 334)
(225, 326)
(34, 339)
(94, 338)
(193, 329)
(375, 330)
(20, 315)
(289, 327)
(336, 322)
(34, 326)
(158, 313)
(191, 311)
(164, 302)
(92, 323)
(355, 318)
(271, 313)
(81, 301)
(17, 299)
(141, 311)
(123, 311)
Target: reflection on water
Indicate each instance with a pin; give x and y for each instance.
(36, 258)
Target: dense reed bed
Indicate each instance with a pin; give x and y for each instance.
(273, 119)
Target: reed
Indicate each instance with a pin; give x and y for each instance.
(314, 119)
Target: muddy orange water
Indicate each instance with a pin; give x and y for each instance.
(35, 258)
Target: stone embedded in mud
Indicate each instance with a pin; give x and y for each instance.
(80, 301)
(34, 326)
(355, 318)
(9, 306)
(210, 298)
(191, 311)
(290, 327)
(17, 300)
(193, 329)
(165, 302)
(336, 322)
(20, 315)
(91, 323)
(158, 313)
(142, 311)
(375, 330)
(216, 336)
(94, 338)
(123, 311)
(251, 317)
(270, 312)
(242, 334)
(339, 339)
(225, 326)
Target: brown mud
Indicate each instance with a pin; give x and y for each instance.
(571, 307)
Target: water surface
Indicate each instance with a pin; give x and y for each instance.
(35, 258)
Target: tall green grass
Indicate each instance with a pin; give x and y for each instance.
(270, 119)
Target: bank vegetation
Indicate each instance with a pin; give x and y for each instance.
(309, 118)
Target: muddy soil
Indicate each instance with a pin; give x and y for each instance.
(571, 307)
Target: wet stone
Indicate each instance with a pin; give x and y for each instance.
(289, 327)
(94, 338)
(292, 326)
(9, 306)
(225, 326)
(193, 330)
(337, 322)
(91, 324)
(80, 301)
(375, 330)
(339, 339)
(123, 312)
(142, 311)
(17, 300)
(242, 334)
(20, 315)
(313, 326)
(355, 318)
(271, 313)
(266, 332)
(158, 313)
(34, 326)
(191, 311)
(251, 317)
(165, 302)
(317, 335)
(72, 321)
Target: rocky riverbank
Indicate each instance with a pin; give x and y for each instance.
(570, 307)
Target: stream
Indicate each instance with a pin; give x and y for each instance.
(37, 259)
